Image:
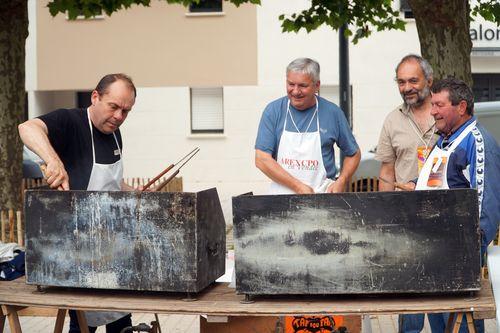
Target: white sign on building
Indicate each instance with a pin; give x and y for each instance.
(485, 36)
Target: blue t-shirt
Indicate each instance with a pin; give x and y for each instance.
(475, 163)
(332, 122)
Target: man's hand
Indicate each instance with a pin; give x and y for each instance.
(304, 189)
(265, 162)
(337, 186)
(56, 175)
(410, 186)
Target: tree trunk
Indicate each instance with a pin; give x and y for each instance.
(13, 33)
(443, 31)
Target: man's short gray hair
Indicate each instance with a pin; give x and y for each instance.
(305, 66)
(424, 65)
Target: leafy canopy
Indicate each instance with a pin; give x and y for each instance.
(488, 9)
(90, 8)
(360, 16)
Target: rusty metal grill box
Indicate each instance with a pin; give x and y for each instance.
(124, 240)
(357, 243)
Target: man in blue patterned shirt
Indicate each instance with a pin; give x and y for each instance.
(465, 156)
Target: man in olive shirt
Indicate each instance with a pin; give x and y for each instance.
(406, 139)
(407, 135)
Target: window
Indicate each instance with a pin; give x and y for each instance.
(206, 6)
(207, 110)
(486, 87)
(406, 9)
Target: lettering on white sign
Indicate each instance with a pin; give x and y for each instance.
(483, 33)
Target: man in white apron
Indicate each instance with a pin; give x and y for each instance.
(294, 145)
(465, 156)
(82, 151)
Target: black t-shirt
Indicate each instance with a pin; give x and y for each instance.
(69, 134)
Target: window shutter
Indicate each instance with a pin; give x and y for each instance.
(207, 110)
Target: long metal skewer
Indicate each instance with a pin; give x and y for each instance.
(162, 185)
(152, 181)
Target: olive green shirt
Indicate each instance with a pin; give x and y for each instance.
(399, 139)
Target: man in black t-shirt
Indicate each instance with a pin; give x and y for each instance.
(82, 150)
(70, 147)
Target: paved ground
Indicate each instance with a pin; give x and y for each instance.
(190, 324)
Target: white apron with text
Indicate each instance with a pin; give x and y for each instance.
(434, 174)
(300, 155)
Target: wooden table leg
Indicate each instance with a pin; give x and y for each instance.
(2, 322)
(449, 324)
(470, 322)
(458, 322)
(2, 319)
(11, 312)
(82, 321)
(61, 315)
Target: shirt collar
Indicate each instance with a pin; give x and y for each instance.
(405, 109)
(454, 135)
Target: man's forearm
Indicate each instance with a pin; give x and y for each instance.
(350, 165)
(276, 173)
(348, 168)
(34, 135)
(388, 173)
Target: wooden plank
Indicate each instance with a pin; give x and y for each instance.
(82, 321)
(3, 215)
(458, 322)
(484, 314)
(11, 312)
(221, 300)
(217, 319)
(470, 322)
(37, 312)
(20, 232)
(356, 243)
(2, 323)
(151, 241)
(61, 314)
(12, 237)
(8, 309)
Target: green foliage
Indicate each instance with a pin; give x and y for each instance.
(90, 8)
(490, 10)
(360, 16)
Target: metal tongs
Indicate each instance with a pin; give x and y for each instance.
(187, 157)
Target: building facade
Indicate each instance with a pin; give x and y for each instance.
(204, 78)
